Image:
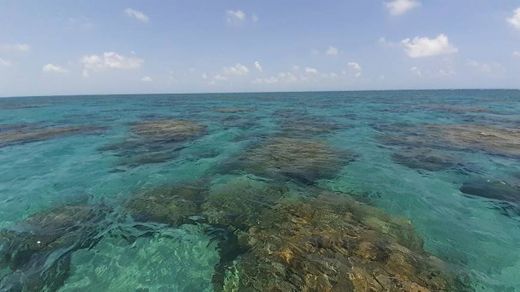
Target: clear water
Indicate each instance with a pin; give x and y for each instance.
(470, 232)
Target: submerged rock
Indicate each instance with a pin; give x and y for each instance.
(304, 160)
(26, 134)
(37, 250)
(318, 242)
(173, 205)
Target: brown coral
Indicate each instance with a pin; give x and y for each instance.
(171, 129)
(304, 160)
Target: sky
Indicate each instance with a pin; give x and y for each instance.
(172, 46)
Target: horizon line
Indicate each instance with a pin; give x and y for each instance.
(250, 92)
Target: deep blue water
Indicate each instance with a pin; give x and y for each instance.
(478, 234)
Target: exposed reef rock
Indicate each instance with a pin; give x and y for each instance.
(37, 251)
(318, 242)
(155, 141)
(21, 134)
(304, 160)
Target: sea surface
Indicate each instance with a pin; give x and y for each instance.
(446, 161)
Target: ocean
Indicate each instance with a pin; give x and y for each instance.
(318, 190)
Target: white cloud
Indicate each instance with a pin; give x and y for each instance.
(237, 70)
(332, 51)
(19, 48)
(282, 77)
(137, 15)
(310, 70)
(420, 47)
(254, 18)
(487, 68)
(146, 79)
(219, 77)
(4, 63)
(355, 69)
(258, 66)
(109, 60)
(515, 19)
(416, 71)
(51, 68)
(399, 7)
(236, 16)
(516, 54)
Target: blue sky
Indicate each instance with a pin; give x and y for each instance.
(95, 47)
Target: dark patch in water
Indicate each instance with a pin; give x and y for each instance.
(37, 250)
(154, 141)
(496, 190)
(425, 159)
(21, 134)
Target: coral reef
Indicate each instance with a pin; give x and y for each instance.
(171, 205)
(500, 141)
(304, 160)
(495, 190)
(168, 130)
(318, 242)
(489, 139)
(20, 134)
(425, 159)
(37, 251)
(233, 110)
(154, 141)
(298, 124)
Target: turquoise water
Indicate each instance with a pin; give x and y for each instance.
(478, 235)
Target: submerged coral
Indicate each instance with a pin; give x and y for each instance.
(298, 124)
(495, 190)
(154, 141)
(425, 159)
(30, 133)
(304, 160)
(171, 205)
(489, 139)
(37, 251)
(318, 242)
(501, 141)
(168, 130)
(233, 110)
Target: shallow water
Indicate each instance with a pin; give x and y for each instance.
(478, 236)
